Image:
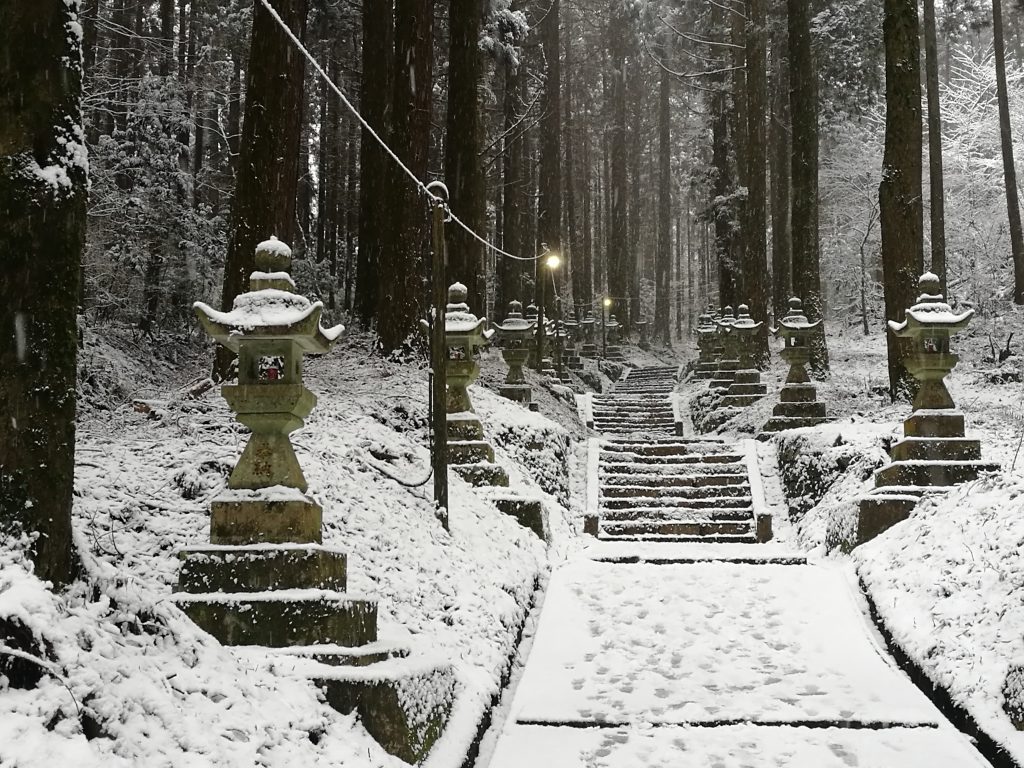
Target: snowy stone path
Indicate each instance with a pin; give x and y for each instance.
(701, 660)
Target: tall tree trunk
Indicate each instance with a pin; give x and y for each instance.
(376, 92)
(663, 260)
(549, 205)
(804, 222)
(401, 291)
(899, 193)
(268, 168)
(781, 149)
(936, 196)
(579, 265)
(463, 173)
(617, 190)
(755, 257)
(722, 213)
(1009, 169)
(510, 276)
(586, 299)
(42, 232)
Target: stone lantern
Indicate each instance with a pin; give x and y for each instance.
(928, 325)
(532, 315)
(469, 454)
(746, 386)
(515, 336)
(588, 329)
(612, 329)
(570, 355)
(707, 345)
(642, 328)
(797, 406)
(934, 451)
(270, 328)
(728, 360)
(464, 334)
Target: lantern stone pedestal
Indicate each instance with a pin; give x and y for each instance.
(515, 336)
(612, 329)
(728, 356)
(798, 405)
(746, 387)
(469, 454)
(588, 329)
(707, 347)
(265, 579)
(571, 354)
(642, 327)
(934, 453)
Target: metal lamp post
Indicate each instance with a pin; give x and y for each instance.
(605, 304)
(552, 262)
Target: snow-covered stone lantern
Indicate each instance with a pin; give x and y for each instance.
(613, 330)
(707, 346)
(588, 327)
(464, 334)
(929, 324)
(728, 356)
(744, 332)
(271, 328)
(515, 336)
(935, 451)
(798, 405)
(642, 327)
(796, 331)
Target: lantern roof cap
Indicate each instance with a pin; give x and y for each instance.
(515, 321)
(744, 321)
(457, 317)
(931, 311)
(795, 319)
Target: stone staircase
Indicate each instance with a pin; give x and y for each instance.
(639, 403)
(673, 489)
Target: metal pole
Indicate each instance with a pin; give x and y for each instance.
(604, 335)
(540, 317)
(438, 362)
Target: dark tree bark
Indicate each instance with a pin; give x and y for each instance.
(779, 140)
(1009, 169)
(376, 93)
(899, 194)
(463, 172)
(549, 204)
(402, 291)
(755, 256)
(616, 191)
(514, 187)
(937, 215)
(268, 167)
(590, 281)
(42, 232)
(804, 221)
(722, 213)
(663, 259)
(579, 261)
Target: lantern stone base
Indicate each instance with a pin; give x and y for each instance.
(588, 350)
(278, 618)
(705, 370)
(272, 515)
(797, 407)
(404, 705)
(529, 513)
(520, 393)
(934, 454)
(465, 425)
(615, 353)
(469, 451)
(261, 568)
(482, 474)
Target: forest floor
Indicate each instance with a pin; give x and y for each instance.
(151, 689)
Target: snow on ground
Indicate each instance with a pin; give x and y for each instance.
(157, 691)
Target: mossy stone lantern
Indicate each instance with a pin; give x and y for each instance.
(516, 336)
(707, 340)
(613, 330)
(796, 331)
(929, 324)
(726, 338)
(271, 328)
(464, 334)
(745, 330)
(642, 327)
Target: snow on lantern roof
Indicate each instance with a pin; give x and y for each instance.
(743, 321)
(515, 322)
(457, 317)
(795, 319)
(931, 311)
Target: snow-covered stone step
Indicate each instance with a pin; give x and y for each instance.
(674, 465)
(676, 502)
(643, 477)
(661, 514)
(674, 529)
(675, 491)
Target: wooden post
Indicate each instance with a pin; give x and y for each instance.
(439, 355)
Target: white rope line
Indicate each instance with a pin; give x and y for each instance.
(390, 152)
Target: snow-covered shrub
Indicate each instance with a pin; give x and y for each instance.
(538, 444)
